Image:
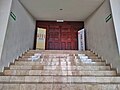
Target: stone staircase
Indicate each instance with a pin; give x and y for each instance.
(59, 70)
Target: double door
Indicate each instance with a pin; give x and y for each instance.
(61, 38)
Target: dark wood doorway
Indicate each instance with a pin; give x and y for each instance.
(61, 36)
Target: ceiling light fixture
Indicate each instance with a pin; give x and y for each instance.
(60, 20)
(61, 9)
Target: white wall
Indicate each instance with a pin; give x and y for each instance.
(101, 36)
(20, 34)
(5, 6)
(115, 7)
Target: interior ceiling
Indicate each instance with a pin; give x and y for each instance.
(73, 10)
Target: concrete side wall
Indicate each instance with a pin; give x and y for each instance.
(20, 34)
(101, 36)
(5, 6)
(115, 6)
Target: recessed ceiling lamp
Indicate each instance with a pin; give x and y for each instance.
(60, 9)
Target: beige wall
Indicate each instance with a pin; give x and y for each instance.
(19, 34)
(5, 6)
(101, 36)
(115, 7)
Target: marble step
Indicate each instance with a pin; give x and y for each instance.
(59, 79)
(33, 86)
(60, 60)
(59, 51)
(31, 54)
(56, 72)
(41, 67)
(93, 60)
(59, 55)
(52, 56)
(68, 55)
(57, 63)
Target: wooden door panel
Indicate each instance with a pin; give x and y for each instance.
(51, 45)
(66, 36)
(63, 46)
(57, 46)
(54, 37)
(69, 46)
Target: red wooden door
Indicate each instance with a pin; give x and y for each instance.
(54, 38)
(66, 39)
(61, 38)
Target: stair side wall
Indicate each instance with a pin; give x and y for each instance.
(19, 35)
(101, 36)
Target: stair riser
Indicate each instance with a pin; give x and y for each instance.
(53, 56)
(58, 51)
(42, 72)
(59, 61)
(93, 60)
(61, 64)
(51, 79)
(62, 54)
(61, 68)
(59, 87)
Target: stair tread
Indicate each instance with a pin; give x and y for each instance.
(61, 68)
(69, 79)
(49, 72)
(37, 86)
